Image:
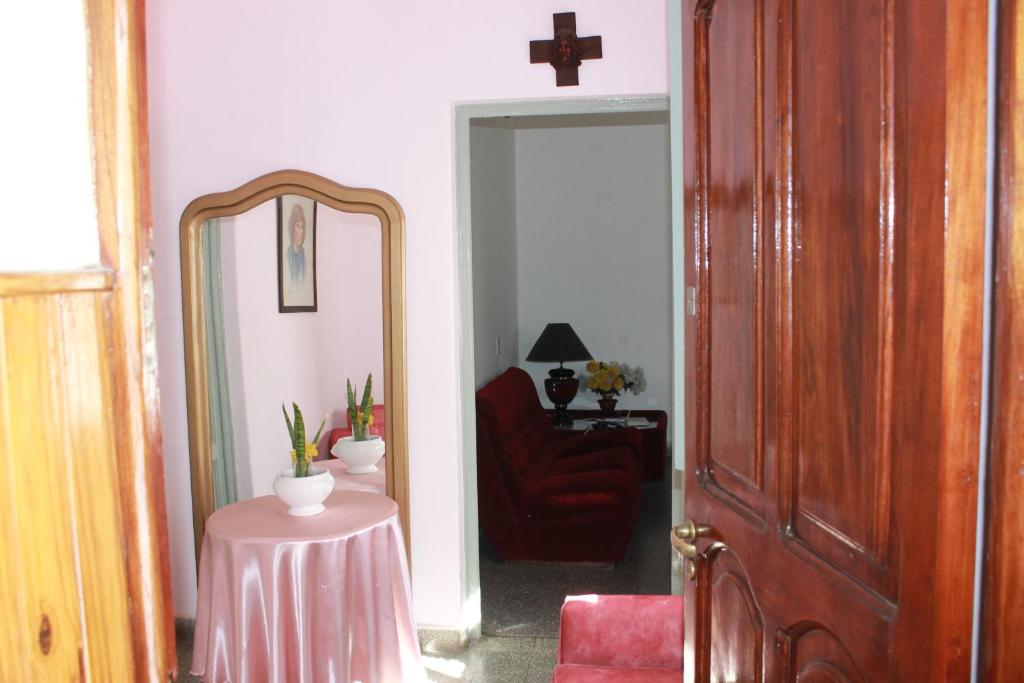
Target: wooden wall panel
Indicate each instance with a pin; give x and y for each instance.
(64, 550)
(15, 645)
(45, 571)
(91, 461)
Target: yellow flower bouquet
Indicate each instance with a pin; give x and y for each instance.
(611, 378)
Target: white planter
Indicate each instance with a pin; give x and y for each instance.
(360, 456)
(304, 496)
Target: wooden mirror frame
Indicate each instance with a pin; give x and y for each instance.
(345, 199)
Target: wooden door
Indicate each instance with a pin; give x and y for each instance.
(84, 579)
(834, 191)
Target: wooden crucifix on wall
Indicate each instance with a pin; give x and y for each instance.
(567, 51)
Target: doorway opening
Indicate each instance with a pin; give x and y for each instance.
(565, 216)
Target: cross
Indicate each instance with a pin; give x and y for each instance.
(566, 51)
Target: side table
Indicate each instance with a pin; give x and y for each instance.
(322, 598)
(655, 438)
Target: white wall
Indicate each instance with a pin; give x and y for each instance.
(362, 93)
(594, 214)
(495, 297)
(276, 358)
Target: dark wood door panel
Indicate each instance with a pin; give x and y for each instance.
(836, 454)
(730, 81)
(734, 625)
(810, 653)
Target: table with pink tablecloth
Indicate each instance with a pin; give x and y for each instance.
(322, 598)
(374, 482)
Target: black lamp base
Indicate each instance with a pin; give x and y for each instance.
(561, 388)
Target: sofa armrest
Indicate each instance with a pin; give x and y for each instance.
(641, 631)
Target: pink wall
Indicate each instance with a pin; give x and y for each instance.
(276, 358)
(362, 93)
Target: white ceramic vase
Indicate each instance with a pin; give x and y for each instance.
(359, 456)
(304, 496)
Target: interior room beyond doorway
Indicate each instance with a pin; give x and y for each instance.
(571, 222)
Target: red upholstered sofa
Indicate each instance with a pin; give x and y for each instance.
(547, 498)
(376, 428)
(620, 639)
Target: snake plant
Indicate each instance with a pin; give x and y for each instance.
(361, 416)
(303, 452)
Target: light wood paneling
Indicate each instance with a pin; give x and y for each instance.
(84, 572)
(90, 453)
(46, 572)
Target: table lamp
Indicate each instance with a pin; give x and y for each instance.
(558, 343)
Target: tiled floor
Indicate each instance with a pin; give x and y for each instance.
(495, 660)
(520, 599)
(488, 660)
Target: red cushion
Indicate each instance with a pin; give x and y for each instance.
(579, 673)
(622, 631)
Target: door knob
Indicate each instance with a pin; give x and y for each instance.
(684, 537)
(690, 531)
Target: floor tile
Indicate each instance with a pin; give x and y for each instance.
(520, 599)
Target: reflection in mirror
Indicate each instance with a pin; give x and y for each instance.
(280, 305)
(261, 354)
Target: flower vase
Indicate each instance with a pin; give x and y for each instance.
(359, 456)
(607, 404)
(304, 496)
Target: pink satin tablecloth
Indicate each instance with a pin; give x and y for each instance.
(290, 599)
(374, 482)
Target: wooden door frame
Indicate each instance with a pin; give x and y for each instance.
(1000, 657)
(124, 282)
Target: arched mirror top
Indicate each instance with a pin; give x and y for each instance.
(302, 183)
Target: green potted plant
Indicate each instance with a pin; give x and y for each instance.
(303, 487)
(360, 451)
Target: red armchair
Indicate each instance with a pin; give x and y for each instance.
(547, 498)
(620, 639)
(376, 428)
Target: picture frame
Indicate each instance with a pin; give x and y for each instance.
(296, 254)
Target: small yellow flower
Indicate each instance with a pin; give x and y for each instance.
(592, 366)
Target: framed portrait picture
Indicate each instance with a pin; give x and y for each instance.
(296, 254)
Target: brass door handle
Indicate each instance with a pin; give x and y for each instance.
(684, 537)
(689, 531)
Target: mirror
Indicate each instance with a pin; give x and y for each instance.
(292, 284)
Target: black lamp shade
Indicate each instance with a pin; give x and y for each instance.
(558, 343)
